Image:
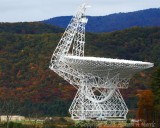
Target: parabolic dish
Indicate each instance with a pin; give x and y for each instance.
(106, 66)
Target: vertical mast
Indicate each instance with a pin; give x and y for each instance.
(79, 40)
(75, 30)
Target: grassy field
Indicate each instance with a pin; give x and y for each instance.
(67, 122)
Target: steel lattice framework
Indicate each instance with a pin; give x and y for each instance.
(98, 80)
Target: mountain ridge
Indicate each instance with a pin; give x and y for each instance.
(117, 21)
(29, 28)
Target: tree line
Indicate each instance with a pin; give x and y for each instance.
(25, 57)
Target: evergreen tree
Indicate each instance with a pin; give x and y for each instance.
(156, 88)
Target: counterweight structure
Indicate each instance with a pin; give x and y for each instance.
(97, 80)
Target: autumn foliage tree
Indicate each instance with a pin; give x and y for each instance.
(145, 105)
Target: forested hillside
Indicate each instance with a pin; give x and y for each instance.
(29, 28)
(25, 57)
(113, 22)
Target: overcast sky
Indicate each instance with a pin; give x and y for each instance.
(36, 10)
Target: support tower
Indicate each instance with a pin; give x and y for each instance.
(97, 80)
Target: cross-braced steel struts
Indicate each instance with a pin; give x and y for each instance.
(98, 80)
(93, 102)
(86, 104)
(75, 29)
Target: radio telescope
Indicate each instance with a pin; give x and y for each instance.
(97, 80)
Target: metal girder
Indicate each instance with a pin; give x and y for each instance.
(98, 80)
